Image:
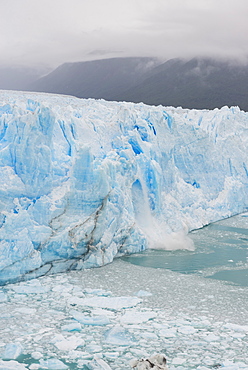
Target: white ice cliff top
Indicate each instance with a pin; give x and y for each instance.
(84, 181)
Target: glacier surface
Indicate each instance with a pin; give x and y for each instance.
(85, 181)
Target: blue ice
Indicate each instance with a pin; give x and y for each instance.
(85, 181)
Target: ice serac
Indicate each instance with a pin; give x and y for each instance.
(84, 181)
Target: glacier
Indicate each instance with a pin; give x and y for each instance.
(85, 181)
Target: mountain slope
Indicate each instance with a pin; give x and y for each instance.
(198, 83)
(18, 78)
(95, 79)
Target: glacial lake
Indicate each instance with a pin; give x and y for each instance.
(191, 306)
(221, 252)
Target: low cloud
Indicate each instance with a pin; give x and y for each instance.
(36, 32)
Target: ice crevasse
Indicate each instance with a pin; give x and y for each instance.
(85, 181)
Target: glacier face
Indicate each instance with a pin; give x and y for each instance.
(84, 181)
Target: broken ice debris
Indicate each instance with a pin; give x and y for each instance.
(90, 320)
(119, 336)
(112, 303)
(12, 351)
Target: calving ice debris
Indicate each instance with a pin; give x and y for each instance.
(85, 181)
(95, 319)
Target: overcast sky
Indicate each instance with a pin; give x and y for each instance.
(51, 32)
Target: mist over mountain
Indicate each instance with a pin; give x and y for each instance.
(200, 83)
(106, 78)
(19, 78)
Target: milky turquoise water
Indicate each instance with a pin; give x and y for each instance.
(221, 252)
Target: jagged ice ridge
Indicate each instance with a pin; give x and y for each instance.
(85, 181)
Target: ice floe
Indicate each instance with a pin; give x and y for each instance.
(112, 303)
(97, 322)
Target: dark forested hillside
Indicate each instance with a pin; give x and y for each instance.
(95, 79)
(199, 83)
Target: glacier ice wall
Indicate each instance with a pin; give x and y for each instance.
(84, 181)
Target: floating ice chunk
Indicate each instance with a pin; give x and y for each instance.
(242, 365)
(143, 293)
(237, 335)
(90, 320)
(74, 326)
(34, 366)
(186, 330)
(93, 348)
(26, 310)
(76, 354)
(178, 361)
(168, 333)
(53, 364)
(12, 351)
(147, 335)
(229, 365)
(3, 297)
(211, 338)
(111, 355)
(30, 289)
(112, 303)
(98, 292)
(137, 317)
(41, 333)
(57, 338)
(235, 327)
(203, 323)
(62, 288)
(119, 336)
(103, 312)
(69, 344)
(139, 352)
(98, 364)
(12, 365)
(36, 355)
